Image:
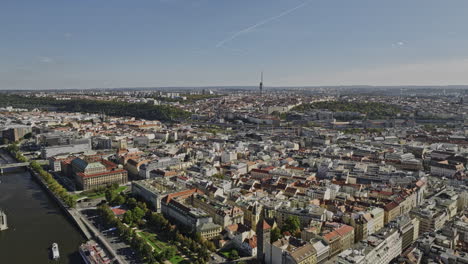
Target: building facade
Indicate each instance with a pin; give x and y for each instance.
(90, 174)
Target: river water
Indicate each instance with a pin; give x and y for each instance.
(35, 222)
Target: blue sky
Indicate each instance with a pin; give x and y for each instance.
(147, 43)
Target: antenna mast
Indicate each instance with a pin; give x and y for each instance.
(261, 83)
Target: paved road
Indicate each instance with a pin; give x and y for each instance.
(102, 238)
(114, 241)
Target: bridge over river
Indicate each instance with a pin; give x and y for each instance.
(20, 164)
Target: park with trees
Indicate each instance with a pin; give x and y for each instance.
(112, 108)
(53, 185)
(372, 110)
(153, 237)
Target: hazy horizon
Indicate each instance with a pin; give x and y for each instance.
(179, 43)
(251, 87)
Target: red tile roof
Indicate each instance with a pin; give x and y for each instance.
(83, 175)
(185, 193)
(344, 229)
(118, 211)
(331, 236)
(390, 206)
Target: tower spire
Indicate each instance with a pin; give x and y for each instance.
(261, 83)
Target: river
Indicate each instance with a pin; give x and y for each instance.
(35, 222)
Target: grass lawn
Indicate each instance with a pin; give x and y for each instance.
(75, 196)
(153, 241)
(226, 254)
(159, 245)
(178, 260)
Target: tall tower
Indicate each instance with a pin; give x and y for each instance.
(263, 231)
(261, 84)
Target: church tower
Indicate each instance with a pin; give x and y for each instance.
(263, 239)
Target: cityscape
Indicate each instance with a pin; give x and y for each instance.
(316, 175)
(234, 132)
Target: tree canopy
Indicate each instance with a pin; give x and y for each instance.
(112, 108)
(292, 225)
(373, 110)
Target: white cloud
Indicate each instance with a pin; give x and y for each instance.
(398, 44)
(46, 59)
(261, 23)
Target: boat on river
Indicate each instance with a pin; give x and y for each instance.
(55, 251)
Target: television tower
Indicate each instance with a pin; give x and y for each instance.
(261, 84)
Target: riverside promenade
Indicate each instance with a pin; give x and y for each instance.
(87, 229)
(83, 225)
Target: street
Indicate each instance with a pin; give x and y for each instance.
(112, 237)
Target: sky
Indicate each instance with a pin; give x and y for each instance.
(62, 44)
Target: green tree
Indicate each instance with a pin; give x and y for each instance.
(169, 252)
(218, 176)
(138, 214)
(146, 250)
(114, 186)
(128, 217)
(142, 206)
(70, 201)
(118, 200)
(132, 202)
(234, 254)
(112, 108)
(127, 234)
(292, 224)
(275, 234)
(198, 237)
(110, 196)
(210, 246)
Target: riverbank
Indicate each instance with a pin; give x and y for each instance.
(80, 222)
(85, 227)
(84, 231)
(35, 222)
(9, 158)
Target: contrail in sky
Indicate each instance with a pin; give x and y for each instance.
(261, 23)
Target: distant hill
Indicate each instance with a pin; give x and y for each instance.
(112, 108)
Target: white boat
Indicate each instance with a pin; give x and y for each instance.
(3, 221)
(55, 251)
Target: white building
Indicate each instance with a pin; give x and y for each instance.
(380, 248)
(228, 156)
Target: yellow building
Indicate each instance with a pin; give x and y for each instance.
(378, 220)
(391, 211)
